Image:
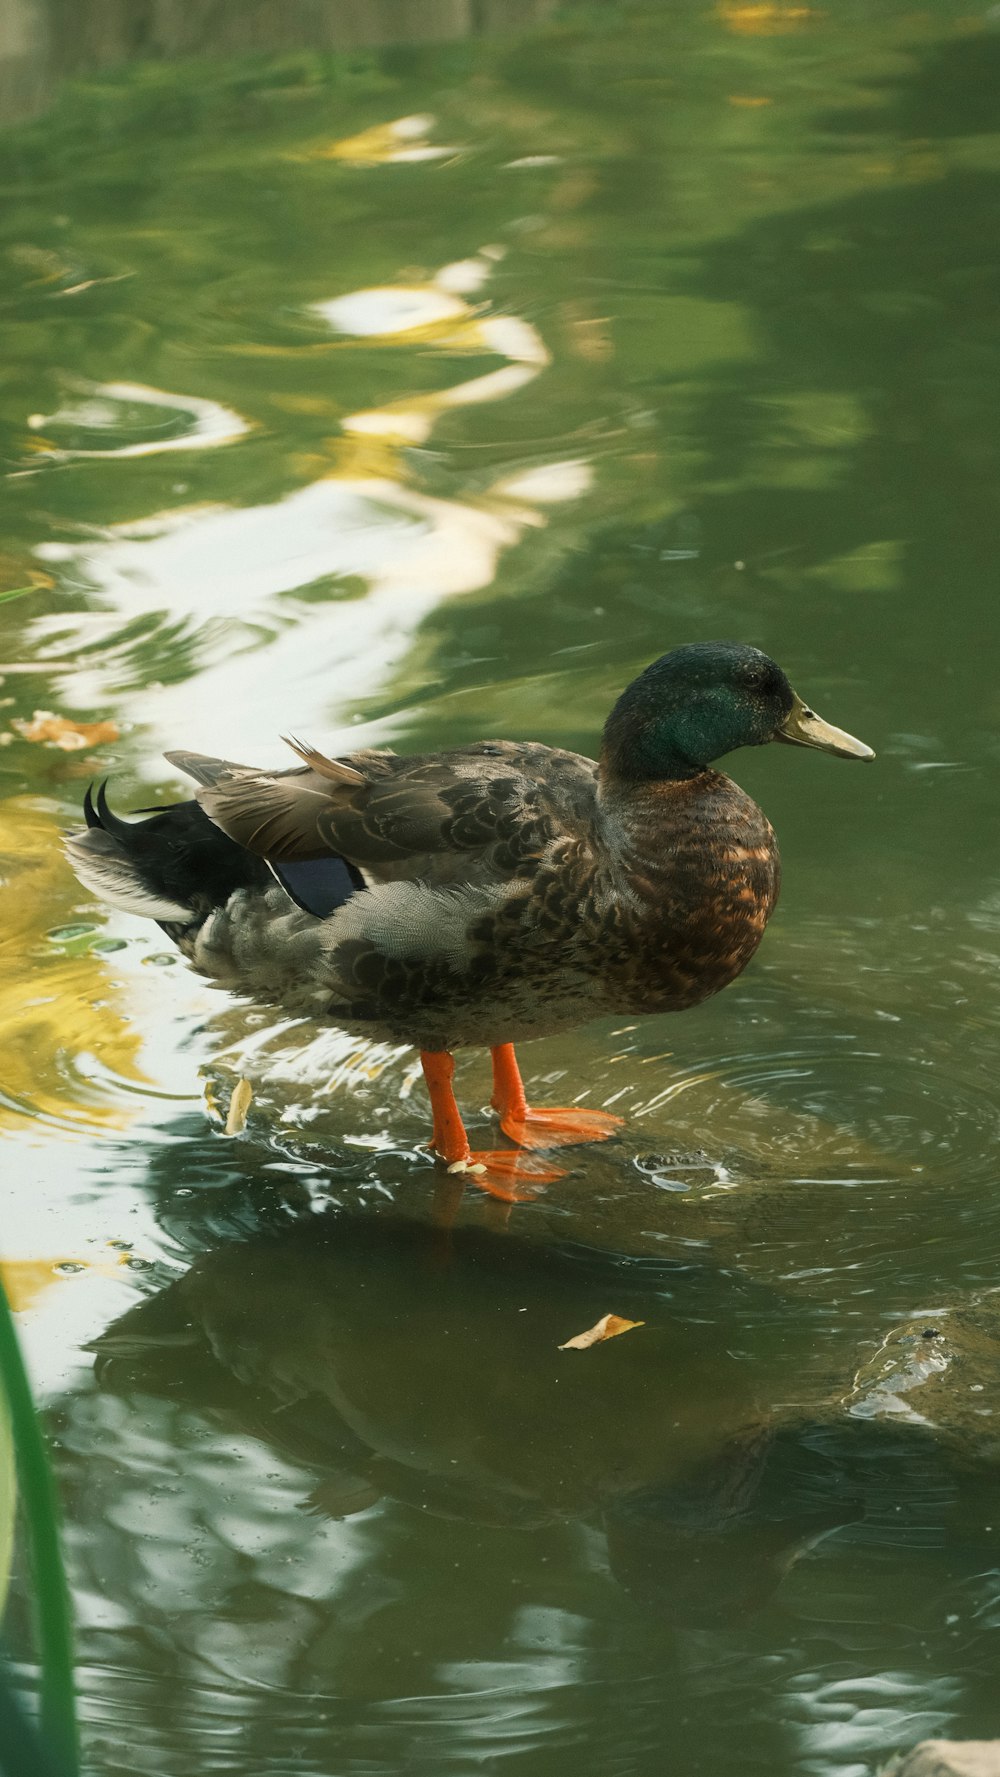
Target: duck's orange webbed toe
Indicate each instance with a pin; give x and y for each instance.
(553, 1127)
(503, 1172)
(506, 1173)
(558, 1126)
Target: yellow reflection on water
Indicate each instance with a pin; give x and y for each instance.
(402, 141)
(765, 20)
(26, 1281)
(55, 1006)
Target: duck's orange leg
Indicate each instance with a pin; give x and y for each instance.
(503, 1173)
(558, 1127)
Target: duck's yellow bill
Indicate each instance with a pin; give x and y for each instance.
(803, 728)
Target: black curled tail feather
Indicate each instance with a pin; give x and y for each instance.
(175, 866)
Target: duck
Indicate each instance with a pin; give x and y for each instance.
(481, 896)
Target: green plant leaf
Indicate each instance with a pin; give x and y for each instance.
(8, 1501)
(52, 1609)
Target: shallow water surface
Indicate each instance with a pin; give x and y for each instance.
(424, 389)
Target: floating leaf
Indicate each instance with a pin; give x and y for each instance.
(239, 1104)
(608, 1327)
(60, 731)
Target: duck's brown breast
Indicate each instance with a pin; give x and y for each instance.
(678, 903)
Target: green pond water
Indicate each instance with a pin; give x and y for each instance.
(414, 389)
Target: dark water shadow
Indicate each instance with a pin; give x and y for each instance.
(952, 92)
(886, 296)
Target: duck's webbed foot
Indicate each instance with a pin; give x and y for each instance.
(558, 1126)
(551, 1127)
(503, 1172)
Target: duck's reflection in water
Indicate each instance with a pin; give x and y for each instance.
(392, 1362)
(430, 1360)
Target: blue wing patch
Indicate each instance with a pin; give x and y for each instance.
(317, 885)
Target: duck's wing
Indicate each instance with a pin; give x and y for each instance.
(485, 812)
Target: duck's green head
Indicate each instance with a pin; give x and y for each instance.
(701, 701)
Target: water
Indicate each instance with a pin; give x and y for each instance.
(423, 389)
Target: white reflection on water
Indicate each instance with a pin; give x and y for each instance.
(845, 1726)
(371, 314)
(359, 522)
(104, 407)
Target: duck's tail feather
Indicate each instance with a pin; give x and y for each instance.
(174, 867)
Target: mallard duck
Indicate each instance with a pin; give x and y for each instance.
(496, 892)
